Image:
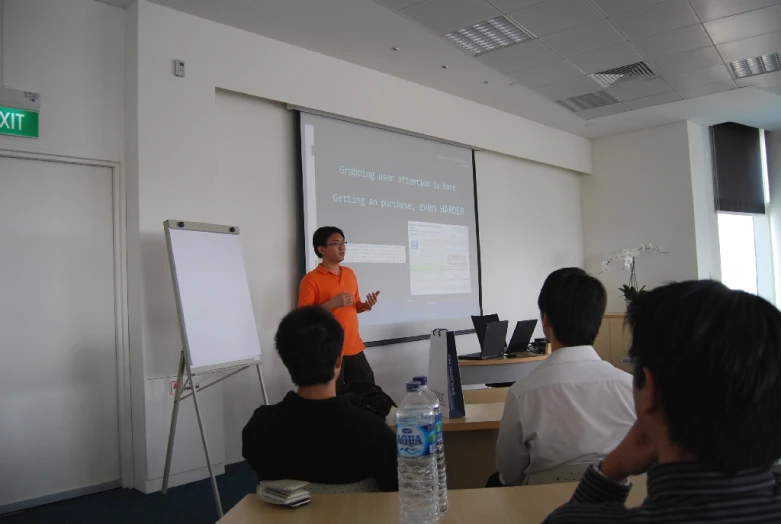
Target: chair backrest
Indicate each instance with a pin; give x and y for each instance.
(566, 473)
(365, 486)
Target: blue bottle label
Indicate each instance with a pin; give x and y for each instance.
(415, 441)
(439, 426)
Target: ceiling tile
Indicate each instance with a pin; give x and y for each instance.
(656, 100)
(713, 9)
(641, 89)
(750, 47)
(606, 58)
(508, 6)
(688, 61)
(700, 77)
(597, 112)
(443, 16)
(399, 4)
(584, 38)
(518, 57)
(671, 42)
(616, 7)
(656, 19)
(568, 89)
(549, 73)
(766, 80)
(694, 92)
(745, 25)
(556, 15)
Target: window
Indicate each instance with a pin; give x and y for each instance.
(738, 253)
(745, 246)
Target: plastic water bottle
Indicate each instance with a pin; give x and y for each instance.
(416, 441)
(441, 470)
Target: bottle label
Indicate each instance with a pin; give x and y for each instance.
(416, 441)
(439, 426)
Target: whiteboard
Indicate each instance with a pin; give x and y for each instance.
(212, 295)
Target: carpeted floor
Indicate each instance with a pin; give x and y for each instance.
(190, 504)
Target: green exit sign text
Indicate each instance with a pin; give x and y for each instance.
(18, 122)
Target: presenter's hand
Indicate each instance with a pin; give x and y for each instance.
(341, 300)
(371, 299)
(632, 457)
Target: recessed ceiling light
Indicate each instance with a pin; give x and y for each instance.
(758, 65)
(395, 48)
(493, 34)
(588, 101)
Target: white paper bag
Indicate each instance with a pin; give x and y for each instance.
(444, 375)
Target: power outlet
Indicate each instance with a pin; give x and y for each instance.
(179, 68)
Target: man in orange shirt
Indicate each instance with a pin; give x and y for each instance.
(335, 288)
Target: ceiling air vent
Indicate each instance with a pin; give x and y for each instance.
(758, 65)
(588, 101)
(493, 34)
(623, 75)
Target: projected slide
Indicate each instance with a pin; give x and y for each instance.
(438, 259)
(407, 208)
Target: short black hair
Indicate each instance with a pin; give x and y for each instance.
(309, 340)
(715, 355)
(320, 238)
(575, 304)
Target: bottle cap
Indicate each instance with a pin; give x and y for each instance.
(413, 387)
(421, 379)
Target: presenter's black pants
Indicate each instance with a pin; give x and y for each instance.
(355, 368)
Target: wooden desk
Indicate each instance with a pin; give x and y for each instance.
(496, 370)
(470, 444)
(478, 417)
(517, 505)
(485, 395)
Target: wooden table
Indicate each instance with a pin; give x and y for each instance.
(470, 444)
(485, 395)
(496, 370)
(516, 505)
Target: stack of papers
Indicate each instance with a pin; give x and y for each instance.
(289, 493)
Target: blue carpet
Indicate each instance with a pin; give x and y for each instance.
(191, 504)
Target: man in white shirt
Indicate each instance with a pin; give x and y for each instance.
(574, 407)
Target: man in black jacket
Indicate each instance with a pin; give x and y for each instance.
(313, 435)
(707, 387)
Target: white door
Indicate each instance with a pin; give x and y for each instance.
(58, 354)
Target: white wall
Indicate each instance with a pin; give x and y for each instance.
(73, 54)
(178, 174)
(773, 146)
(641, 191)
(706, 225)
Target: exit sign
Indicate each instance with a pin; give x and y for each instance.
(18, 122)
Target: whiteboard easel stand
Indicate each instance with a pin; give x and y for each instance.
(185, 360)
(181, 383)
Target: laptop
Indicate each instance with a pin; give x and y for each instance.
(480, 321)
(519, 343)
(494, 342)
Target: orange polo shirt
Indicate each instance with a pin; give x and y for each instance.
(320, 285)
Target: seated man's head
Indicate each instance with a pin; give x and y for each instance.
(572, 304)
(309, 342)
(708, 375)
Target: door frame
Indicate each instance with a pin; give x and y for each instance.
(121, 318)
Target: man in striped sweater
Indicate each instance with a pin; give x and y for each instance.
(707, 388)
